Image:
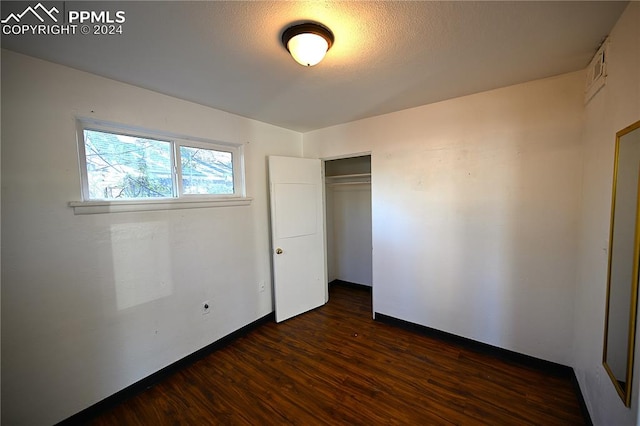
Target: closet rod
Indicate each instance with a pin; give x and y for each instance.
(349, 183)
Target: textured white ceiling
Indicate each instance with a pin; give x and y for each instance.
(387, 55)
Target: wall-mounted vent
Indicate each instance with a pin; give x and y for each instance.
(596, 72)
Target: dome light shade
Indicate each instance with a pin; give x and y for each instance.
(307, 49)
(307, 43)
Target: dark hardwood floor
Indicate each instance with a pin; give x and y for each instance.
(335, 365)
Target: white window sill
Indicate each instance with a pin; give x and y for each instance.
(98, 207)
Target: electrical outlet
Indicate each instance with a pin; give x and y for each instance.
(206, 307)
(261, 286)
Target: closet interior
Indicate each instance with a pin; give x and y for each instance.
(348, 203)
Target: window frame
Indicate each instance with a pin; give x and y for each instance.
(177, 158)
(179, 198)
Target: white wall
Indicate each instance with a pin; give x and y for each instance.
(616, 106)
(331, 253)
(350, 241)
(91, 304)
(474, 204)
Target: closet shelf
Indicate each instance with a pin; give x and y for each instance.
(348, 179)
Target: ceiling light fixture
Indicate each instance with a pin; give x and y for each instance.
(308, 42)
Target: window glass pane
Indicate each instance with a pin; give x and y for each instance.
(206, 171)
(121, 167)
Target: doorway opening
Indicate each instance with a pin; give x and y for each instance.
(348, 220)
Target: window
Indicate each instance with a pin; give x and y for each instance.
(122, 164)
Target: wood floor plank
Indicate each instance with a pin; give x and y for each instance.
(335, 365)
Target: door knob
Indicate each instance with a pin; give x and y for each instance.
(278, 251)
